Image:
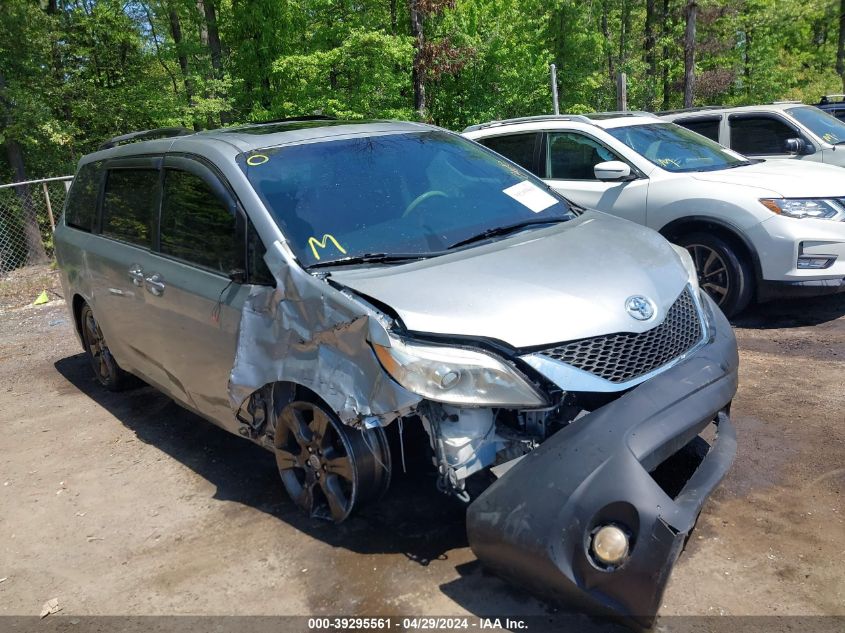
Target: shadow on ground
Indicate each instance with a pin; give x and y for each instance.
(788, 313)
(413, 519)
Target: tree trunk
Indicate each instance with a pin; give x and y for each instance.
(418, 75)
(840, 50)
(178, 43)
(665, 36)
(691, 12)
(393, 20)
(14, 153)
(214, 45)
(650, 56)
(624, 27)
(35, 253)
(605, 31)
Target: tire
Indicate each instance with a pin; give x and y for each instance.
(329, 469)
(723, 273)
(105, 367)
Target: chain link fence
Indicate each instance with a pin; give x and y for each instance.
(28, 214)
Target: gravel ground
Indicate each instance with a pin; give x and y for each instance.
(127, 504)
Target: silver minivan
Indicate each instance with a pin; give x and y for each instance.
(318, 286)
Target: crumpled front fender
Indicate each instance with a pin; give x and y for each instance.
(534, 525)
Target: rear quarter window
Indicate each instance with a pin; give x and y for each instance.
(81, 206)
(517, 147)
(129, 203)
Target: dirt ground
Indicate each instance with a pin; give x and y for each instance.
(126, 504)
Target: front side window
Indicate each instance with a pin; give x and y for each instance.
(81, 205)
(129, 203)
(761, 135)
(676, 149)
(517, 147)
(573, 156)
(706, 127)
(822, 124)
(393, 194)
(196, 226)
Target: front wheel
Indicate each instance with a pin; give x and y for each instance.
(723, 273)
(328, 468)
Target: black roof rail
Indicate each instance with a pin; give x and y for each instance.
(693, 109)
(145, 135)
(529, 119)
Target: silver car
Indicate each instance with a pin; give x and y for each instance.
(316, 286)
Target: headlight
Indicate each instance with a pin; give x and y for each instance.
(818, 208)
(456, 376)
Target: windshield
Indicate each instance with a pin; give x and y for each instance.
(677, 149)
(393, 194)
(820, 123)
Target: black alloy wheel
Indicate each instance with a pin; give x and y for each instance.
(105, 367)
(329, 469)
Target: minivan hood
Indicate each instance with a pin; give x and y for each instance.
(541, 286)
(785, 178)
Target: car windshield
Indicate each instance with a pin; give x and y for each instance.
(820, 123)
(404, 194)
(677, 149)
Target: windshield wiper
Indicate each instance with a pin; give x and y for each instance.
(372, 258)
(504, 230)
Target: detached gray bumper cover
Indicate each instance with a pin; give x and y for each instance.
(533, 526)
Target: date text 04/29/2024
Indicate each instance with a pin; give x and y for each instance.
(419, 623)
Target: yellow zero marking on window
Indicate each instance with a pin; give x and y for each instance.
(313, 242)
(257, 159)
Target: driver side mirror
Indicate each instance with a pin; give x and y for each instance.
(612, 170)
(798, 146)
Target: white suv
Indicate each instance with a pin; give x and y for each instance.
(776, 130)
(755, 229)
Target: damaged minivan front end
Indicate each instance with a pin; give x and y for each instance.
(573, 381)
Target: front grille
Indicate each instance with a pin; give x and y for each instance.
(625, 356)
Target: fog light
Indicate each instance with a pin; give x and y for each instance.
(815, 263)
(610, 545)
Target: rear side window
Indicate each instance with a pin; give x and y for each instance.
(197, 226)
(705, 127)
(516, 147)
(760, 135)
(129, 204)
(81, 207)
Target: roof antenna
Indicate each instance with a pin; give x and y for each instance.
(555, 104)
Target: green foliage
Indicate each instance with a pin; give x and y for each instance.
(363, 77)
(75, 72)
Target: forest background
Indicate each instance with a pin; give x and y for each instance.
(76, 72)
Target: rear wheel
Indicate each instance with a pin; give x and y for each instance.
(328, 468)
(105, 367)
(723, 273)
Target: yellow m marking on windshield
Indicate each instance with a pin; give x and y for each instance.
(313, 242)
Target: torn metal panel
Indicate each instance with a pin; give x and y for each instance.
(306, 332)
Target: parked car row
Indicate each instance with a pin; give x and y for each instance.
(347, 293)
(755, 228)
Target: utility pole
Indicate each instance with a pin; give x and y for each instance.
(622, 92)
(555, 103)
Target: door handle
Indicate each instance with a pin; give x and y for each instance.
(155, 284)
(136, 274)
